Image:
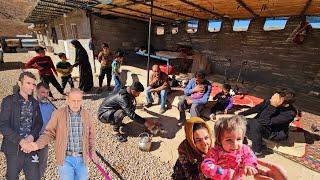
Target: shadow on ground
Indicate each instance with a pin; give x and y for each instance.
(11, 66)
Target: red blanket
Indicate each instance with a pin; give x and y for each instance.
(243, 100)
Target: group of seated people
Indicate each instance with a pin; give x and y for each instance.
(229, 157)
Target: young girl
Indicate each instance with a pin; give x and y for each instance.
(199, 95)
(229, 158)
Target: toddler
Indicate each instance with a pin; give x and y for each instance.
(229, 158)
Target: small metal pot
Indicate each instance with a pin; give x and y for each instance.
(145, 141)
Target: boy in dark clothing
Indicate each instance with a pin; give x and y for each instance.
(273, 119)
(46, 68)
(20, 124)
(223, 102)
(65, 69)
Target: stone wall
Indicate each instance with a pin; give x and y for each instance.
(270, 58)
(119, 33)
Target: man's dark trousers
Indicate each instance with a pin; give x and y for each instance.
(256, 131)
(29, 163)
(51, 79)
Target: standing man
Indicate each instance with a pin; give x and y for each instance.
(196, 85)
(74, 133)
(159, 84)
(46, 68)
(272, 121)
(118, 105)
(20, 124)
(46, 109)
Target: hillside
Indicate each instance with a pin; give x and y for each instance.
(12, 15)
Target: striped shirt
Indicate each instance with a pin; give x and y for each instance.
(75, 133)
(44, 65)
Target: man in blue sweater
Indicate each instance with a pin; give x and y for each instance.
(201, 88)
(46, 109)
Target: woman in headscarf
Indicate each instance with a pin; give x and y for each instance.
(192, 150)
(82, 60)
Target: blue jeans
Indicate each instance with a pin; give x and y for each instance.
(117, 83)
(73, 168)
(162, 97)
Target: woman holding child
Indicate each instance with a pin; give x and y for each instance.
(226, 158)
(193, 149)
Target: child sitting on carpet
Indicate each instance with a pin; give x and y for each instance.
(223, 102)
(229, 158)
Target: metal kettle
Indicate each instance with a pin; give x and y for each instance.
(145, 141)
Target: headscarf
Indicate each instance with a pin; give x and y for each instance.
(188, 146)
(77, 44)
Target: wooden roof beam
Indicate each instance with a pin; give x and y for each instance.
(306, 7)
(129, 9)
(117, 6)
(247, 8)
(127, 15)
(41, 7)
(202, 8)
(167, 10)
(41, 18)
(53, 5)
(46, 12)
(65, 3)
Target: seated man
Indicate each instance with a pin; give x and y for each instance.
(118, 105)
(158, 83)
(273, 119)
(202, 89)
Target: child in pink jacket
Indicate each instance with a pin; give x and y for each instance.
(229, 158)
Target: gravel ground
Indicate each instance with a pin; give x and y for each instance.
(125, 158)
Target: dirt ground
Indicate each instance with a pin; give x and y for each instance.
(165, 146)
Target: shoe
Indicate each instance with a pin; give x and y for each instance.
(99, 90)
(120, 138)
(258, 153)
(54, 99)
(109, 88)
(212, 117)
(148, 105)
(180, 123)
(122, 129)
(162, 110)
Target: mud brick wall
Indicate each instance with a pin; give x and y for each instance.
(271, 59)
(119, 33)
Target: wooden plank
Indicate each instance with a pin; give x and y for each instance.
(145, 13)
(167, 10)
(126, 15)
(306, 7)
(247, 8)
(202, 8)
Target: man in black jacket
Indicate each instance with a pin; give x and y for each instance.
(20, 124)
(272, 121)
(118, 105)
